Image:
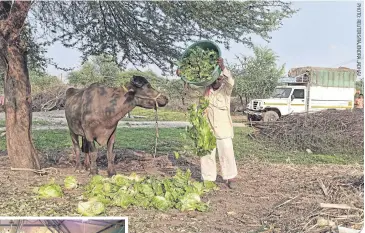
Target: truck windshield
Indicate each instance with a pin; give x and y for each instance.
(281, 93)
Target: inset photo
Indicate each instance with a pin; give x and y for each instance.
(63, 225)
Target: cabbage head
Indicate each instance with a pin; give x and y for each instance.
(70, 182)
(160, 203)
(90, 208)
(191, 201)
(50, 190)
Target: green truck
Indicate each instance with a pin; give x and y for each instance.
(307, 89)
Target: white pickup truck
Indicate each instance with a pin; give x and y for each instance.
(307, 89)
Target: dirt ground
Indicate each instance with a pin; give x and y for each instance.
(268, 197)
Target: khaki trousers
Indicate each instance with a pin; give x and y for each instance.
(226, 160)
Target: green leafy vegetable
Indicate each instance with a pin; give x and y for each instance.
(70, 182)
(199, 64)
(157, 187)
(50, 190)
(96, 179)
(177, 155)
(147, 190)
(209, 185)
(90, 208)
(191, 201)
(179, 191)
(121, 180)
(123, 199)
(160, 203)
(135, 177)
(200, 131)
(142, 201)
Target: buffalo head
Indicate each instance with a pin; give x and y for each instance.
(145, 95)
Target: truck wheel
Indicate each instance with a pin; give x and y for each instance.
(270, 116)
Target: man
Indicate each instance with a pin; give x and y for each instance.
(219, 117)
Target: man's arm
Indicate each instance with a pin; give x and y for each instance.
(225, 72)
(229, 78)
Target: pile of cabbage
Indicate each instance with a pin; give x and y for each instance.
(179, 192)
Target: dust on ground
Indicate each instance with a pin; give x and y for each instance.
(281, 198)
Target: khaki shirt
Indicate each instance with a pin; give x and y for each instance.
(219, 110)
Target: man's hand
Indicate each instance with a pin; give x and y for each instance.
(2, 100)
(221, 63)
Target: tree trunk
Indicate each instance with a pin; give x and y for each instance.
(18, 101)
(18, 112)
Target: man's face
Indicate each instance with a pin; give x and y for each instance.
(217, 83)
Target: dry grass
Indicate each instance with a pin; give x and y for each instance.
(325, 132)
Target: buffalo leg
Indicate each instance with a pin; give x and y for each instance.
(93, 154)
(111, 155)
(86, 150)
(87, 161)
(76, 149)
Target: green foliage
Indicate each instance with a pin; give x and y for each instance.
(257, 76)
(146, 32)
(90, 208)
(97, 69)
(147, 192)
(36, 54)
(200, 131)
(49, 190)
(175, 90)
(70, 182)
(103, 69)
(37, 61)
(41, 81)
(199, 64)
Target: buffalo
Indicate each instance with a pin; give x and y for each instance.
(93, 113)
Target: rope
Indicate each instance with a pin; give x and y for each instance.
(156, 115)
(40, 172)
(157, 135)
(124, 88)
(156, 118)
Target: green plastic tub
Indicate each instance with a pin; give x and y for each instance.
(204, 44)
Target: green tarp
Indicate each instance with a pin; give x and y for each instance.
(329, 77)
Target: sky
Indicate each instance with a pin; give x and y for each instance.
(322, 33)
